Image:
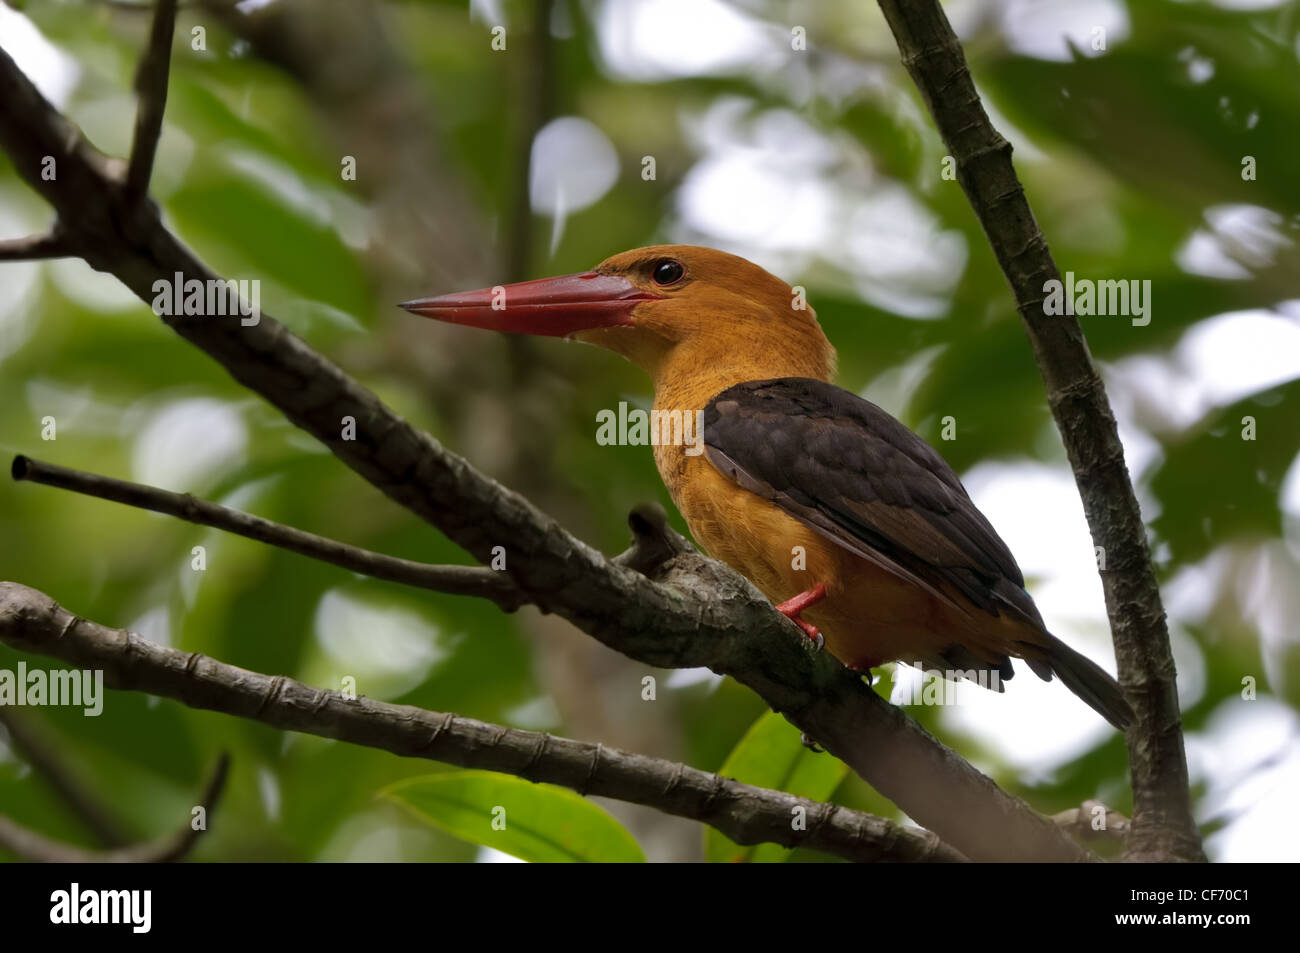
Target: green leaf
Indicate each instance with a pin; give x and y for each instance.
(771, 755)
(542, 823)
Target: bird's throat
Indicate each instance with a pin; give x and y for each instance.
(687, 379)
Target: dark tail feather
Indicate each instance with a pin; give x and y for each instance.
(1086, 679)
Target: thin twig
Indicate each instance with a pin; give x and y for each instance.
(35, 247)
(457, 580)
(30, 845)
(151, 85)
(1164, 826)
(31, 621)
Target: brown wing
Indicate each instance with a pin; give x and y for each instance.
(853, 473)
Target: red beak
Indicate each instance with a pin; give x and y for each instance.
(550, 306)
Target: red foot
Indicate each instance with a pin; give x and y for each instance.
(792, 607)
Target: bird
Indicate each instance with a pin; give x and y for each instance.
(844, 518)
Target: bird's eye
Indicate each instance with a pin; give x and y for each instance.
(668, 272)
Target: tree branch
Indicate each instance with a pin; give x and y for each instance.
(35, 247)
(31, 621)
(696, 612)
(30, 845)
(151, 85)
(458, 580)
(1163, 825)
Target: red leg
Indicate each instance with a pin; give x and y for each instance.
(792, 607)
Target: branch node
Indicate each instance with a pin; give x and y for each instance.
(654, 542)
(443, 725)
(539, 751)
(591, 771)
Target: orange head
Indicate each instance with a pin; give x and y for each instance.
(672, 309)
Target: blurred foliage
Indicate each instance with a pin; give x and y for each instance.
(1122, 154)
